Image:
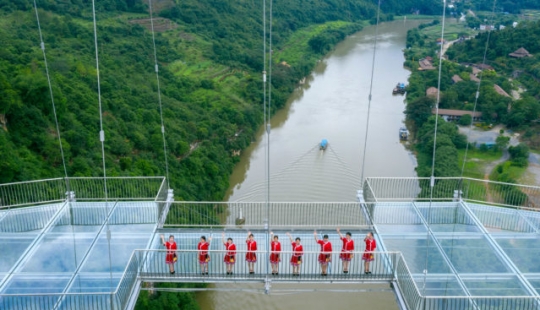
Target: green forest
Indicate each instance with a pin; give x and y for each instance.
(210, 74)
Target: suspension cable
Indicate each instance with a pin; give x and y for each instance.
(156, 68)
(432, 178)
(478, 89)
(102, 139)
(68, 188)
(370, 91)
(265, 120)
(42, 46)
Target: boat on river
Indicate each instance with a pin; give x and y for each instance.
(400, 89)
(323, 145)
(403, 133)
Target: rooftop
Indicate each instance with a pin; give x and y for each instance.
(520, 52)
(500, 91)
(457, 112)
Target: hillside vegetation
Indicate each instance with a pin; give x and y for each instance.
(211, 58)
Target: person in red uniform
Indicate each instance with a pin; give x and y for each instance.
(251, 257)
(347, 250)
(204, 256)
(371, 245)
(230, 255)
(298, 252)
(170, 257)
(325, 256)
(275, 253)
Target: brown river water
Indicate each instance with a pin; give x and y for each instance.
(331, 104)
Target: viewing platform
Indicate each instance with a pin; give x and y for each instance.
(474, 245)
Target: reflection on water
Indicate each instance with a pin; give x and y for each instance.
(332, 104)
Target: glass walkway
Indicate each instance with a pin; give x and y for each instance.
(473, 245)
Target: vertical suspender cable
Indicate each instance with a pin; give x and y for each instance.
(370, 91)
(268, 128)
(265, 121)
(432, 179)
(42, 46)
(478, 89)
(102, 140)
(156, 68)
(68, 188)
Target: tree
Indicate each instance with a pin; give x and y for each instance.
(465, 120)
(502, 142)
(520, 151)
(419, 110)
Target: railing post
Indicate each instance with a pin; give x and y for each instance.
(70, 196)
(170, 195)
(267, 285)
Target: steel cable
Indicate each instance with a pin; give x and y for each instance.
(156, 69)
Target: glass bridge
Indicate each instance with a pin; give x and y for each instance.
(473, 245)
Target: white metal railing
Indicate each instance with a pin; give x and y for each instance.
(449, 189)
(31, 192)
(254, 214)
(187, 267)
(85, 189)
(118, 188)
(481, 302)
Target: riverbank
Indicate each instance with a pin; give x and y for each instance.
(331, 104)
(292, 62)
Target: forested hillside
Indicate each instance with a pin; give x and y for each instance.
(511, 73)
(210, 53)
(509, 94)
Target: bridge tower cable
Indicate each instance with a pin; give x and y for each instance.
(42, 47)
(432, 175)
(102, 140)
(433, 161)
(362, 173)
(51, 93)
(156, 69)
(477, 94)
(268, 129)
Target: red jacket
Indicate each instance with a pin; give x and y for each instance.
(203, 248)
(231, 249)
(251, 246)
(298, 250)
(171, 246)
(348, 245)
(275, 246)
(371, 244)
(326, 247)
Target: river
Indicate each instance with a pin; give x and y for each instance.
(331, 104)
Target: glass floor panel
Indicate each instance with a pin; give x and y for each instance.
(58, 253)
(36, 284)
(396, 228)
(88, 283)
(396, 213)
(454, 228)
(76, 229)
(472, 255)
(535, 282)
(121, 248)
(11, 249)
(414, 252)
(501, 220)
(445, 286)
(524, 253)
(495, 287)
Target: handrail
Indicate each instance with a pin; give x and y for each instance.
(31, 193)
